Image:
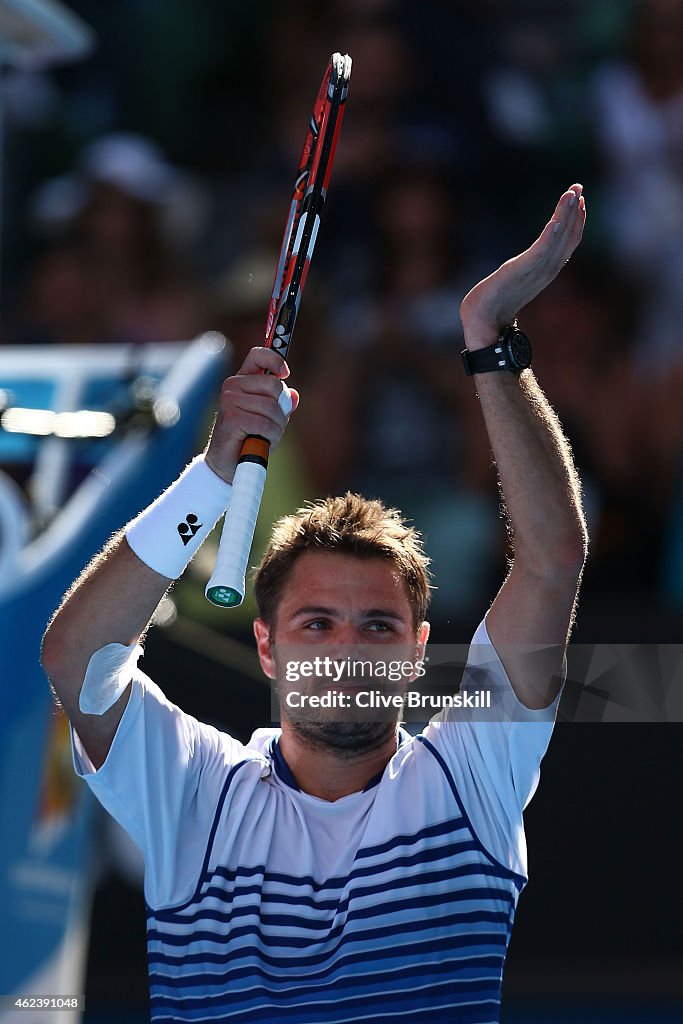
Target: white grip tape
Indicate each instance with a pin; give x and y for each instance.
(240, 522)
(238, 528)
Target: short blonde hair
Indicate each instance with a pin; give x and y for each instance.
(348, 524)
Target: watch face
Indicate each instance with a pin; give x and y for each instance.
(519, 349)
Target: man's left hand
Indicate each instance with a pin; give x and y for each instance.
(495, 302)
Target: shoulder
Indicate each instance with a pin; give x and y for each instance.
(261, 742)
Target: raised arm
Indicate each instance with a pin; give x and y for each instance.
(540, 486)
(115, 597)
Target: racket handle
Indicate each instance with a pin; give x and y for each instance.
(227, 584)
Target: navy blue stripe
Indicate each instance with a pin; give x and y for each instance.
(466, 989)
(519, 880)
(391, 885)
(339, 882)
(229, 897)
(404, 881)
(473, 988)
(443, 828)
(482, 1013)
(283, 941)
(340, 906)
(341, 1009)
(285, 773)
(408, 860)
(316, 959)
(462, 986)
(375, 780)
(296, 942)
(256, 971)
(283, 770)
(212, 834)
(358, 914)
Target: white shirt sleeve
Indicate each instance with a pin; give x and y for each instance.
(150, 783)
(494, 755)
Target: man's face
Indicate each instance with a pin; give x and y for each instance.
(342, 624)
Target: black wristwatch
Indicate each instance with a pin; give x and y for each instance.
(512, 351)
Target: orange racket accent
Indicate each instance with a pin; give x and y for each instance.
(255, 446)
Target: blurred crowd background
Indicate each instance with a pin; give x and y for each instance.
(145, 196)
(145, 193)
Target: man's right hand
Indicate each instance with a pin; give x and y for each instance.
(248, 404)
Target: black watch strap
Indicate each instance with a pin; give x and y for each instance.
(512, 352)
(484, 359)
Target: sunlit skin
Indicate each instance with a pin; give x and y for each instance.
(335, 604)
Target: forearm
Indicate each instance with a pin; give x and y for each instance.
(112, 601)
(539, 482)
(115, 597)
(536, 603)
(537, 476)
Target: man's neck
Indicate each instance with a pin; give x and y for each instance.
(327, 774)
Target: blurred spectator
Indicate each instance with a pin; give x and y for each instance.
(112, 271)
(533, 93)
(585, 326)
(412, 405)
(61, 303)
(639, 117)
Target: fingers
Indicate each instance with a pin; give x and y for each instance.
(497, 299)
(255, 384)
(261, 359)
(250, 406)
(251, 401)
(563, 232)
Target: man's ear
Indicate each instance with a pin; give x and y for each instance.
(420, 644)
(422, 638)
(263, 646)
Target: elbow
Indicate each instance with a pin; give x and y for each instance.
(52, 655)
(54, 658)
(571, 550)
(560, 558)
(570, 560)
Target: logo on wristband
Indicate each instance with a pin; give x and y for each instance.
(189, 528)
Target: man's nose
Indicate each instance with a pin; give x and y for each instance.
(348, 636)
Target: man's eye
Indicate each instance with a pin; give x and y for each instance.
(317, 624)
(379, 627)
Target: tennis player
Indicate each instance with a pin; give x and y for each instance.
(338, 869)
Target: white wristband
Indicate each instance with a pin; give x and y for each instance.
(167, 534)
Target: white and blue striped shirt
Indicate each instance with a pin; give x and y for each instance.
(266, 904)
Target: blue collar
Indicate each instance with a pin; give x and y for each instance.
(284, 772)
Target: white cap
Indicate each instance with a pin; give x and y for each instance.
(131, 163)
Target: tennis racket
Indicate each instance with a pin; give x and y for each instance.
(227, 584)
